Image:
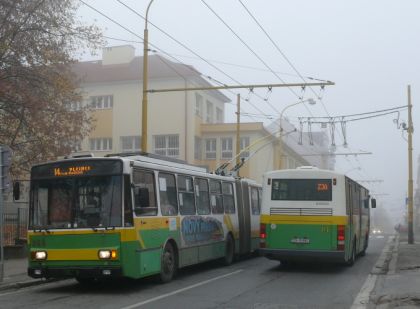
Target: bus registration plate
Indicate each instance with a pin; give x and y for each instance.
(300, 241)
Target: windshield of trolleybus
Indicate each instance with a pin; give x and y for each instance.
(76, 202)
(301, 190)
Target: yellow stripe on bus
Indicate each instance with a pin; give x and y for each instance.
(73, 254)
(282, 219)
(125, 234)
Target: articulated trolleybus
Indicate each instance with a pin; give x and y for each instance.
(135, 216)
(313, 214)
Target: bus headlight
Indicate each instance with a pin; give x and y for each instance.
(107, 254)
(39, 255)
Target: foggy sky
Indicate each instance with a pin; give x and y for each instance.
(368, 48)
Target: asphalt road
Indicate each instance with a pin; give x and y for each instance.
(250, 283)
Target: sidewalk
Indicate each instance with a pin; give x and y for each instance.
(15, 275)
(399, 287)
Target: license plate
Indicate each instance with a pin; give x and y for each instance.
(300, 241)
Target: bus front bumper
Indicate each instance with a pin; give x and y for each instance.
(73, 272)
(308, 255)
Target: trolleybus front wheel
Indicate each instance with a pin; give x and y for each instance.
(168, 263)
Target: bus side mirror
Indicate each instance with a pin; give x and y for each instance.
(16, 190)
(373, 201)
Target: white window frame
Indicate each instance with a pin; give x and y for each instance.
(226, 147)
(101, 102)
(199, 105)
(209, 112)
(166, 145)
(133, 140)
(211, 148)
(100, 144)
(244, 143)
(198, 148)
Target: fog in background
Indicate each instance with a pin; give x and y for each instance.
(369, 49)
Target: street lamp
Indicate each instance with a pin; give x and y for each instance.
(145, 78)
(311, 102)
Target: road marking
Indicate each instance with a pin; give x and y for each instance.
(362, 299)
(181, 290)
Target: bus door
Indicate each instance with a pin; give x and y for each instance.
(242, 193)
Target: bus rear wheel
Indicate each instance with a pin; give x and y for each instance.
(352, 258)
(168, 265)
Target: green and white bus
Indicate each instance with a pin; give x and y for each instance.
(135, 216)
(313, 214)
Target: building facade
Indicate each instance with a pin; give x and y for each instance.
(187, 125)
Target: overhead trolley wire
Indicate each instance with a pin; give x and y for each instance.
(185, 46)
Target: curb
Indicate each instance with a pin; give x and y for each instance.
(392, 265)
(24, 284)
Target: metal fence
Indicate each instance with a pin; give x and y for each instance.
(15, 227)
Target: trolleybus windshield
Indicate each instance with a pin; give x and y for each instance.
(74, 197)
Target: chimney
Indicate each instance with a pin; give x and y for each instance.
(117, 54)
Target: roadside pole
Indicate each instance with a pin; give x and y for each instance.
(410, 170)
(5, 161)
(1, 217)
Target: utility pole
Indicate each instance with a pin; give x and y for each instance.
(410, 170)
(238, 129)
(144, 105)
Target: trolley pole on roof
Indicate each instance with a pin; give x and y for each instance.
(410, 170)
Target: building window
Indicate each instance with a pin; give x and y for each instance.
(130, 143)
(76, 146)
(198, 155)
(227, 148)
(211, 148)
(166, 145)
(74, 106)
(219, 115)
(244, 141)
(100, 144)
(209, 115)
(199, 105)
(101, 102)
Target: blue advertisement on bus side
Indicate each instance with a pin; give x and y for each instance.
(196, 229)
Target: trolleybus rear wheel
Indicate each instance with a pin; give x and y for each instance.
(352, 258)
(168, 263)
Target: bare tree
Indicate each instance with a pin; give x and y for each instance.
(40, 112)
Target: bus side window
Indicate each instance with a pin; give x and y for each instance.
(167, 194)
(228, 199)
(186, 195)
(216, 201)
(128, 208)
(202, 196)
(254, 201)
(144, 193)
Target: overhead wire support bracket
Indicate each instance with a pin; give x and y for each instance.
(240, 87)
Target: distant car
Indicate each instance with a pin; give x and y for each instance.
(401, 228)
(376, 231)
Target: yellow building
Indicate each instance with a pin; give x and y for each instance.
(184, 125)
